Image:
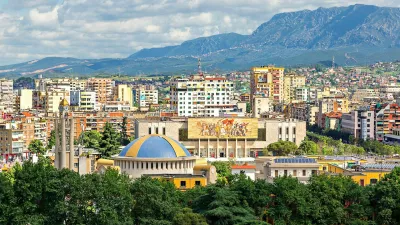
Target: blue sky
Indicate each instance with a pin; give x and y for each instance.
(34, 29)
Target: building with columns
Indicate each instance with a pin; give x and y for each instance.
(260, 133)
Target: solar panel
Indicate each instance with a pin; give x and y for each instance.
(294, 160)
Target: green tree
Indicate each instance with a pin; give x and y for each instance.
(36, 146)
(109, 144)
(91, 139)
(6, 199)
(156, 201)
(124, 134)
(308, 147)
(187, 217)
(248, 107)
(223, 170)
(52, 140)
(385, 198)
(221, 206)
(282, 148)
(290, 202)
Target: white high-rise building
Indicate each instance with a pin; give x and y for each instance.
(88, 101)
(202, 96)
(6, 95)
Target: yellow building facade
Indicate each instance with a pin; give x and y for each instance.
(267, 81)
(290, 83)
(124, 94)
(363, 178)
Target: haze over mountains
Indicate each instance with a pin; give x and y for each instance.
(357, 34)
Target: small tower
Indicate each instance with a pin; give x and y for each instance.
(64, 124)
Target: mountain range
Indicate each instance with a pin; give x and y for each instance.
(354, 35)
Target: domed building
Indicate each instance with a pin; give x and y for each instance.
(162, 156)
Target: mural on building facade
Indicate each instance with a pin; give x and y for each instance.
(214, 128)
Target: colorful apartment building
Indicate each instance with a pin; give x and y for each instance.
(290, 84)
(387, 119)
(267, 81)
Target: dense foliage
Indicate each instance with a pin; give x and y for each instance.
(40, 194)
(335, 138)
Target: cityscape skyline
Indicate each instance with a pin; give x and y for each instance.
(33, 30)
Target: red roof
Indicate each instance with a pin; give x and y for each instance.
(243, 167)
(26, 114)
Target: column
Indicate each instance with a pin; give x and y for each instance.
(217, 152)
(226, 149)
(208, 148)
(57, 145)
(198, 150)
(71, 145)
(63, 157)
(245, 147)
(236, 153)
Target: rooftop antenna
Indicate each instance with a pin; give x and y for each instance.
(199, 67)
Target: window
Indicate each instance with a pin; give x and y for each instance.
(276, 173)
(362, 182)
(163, 130)
(373, 181)
(285, 172)
(287, 130)
(183, 183)
(295, 173)
(149, 130)
(294, 130)
(314, 172)
(280, 130)
(156, 130)
(197, 183)
(76, 165)
(304, 173)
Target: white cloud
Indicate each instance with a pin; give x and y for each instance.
(31, 29)
(46, 19)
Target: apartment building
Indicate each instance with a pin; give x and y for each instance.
(331, 104)
(87, 101)
(11, 140)
(148, 98)
(267, 81)
(262, 105)
(303, 112)
(123, 93)
(360, 94)
(290, 84)
(303, 94)
(359, 123)
(387, 119)
(103, 88)
(53, 99)
(6, 95)
(201, 96)
(24, 99)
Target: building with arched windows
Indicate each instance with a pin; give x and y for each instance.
(163, 157)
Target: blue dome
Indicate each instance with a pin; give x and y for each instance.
(155, 146)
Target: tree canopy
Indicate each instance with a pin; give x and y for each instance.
(110, 141)
(36, 146)
(282, 148)
(41, 194)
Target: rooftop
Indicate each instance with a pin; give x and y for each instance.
(294, 160)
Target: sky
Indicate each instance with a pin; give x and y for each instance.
(34, 29)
